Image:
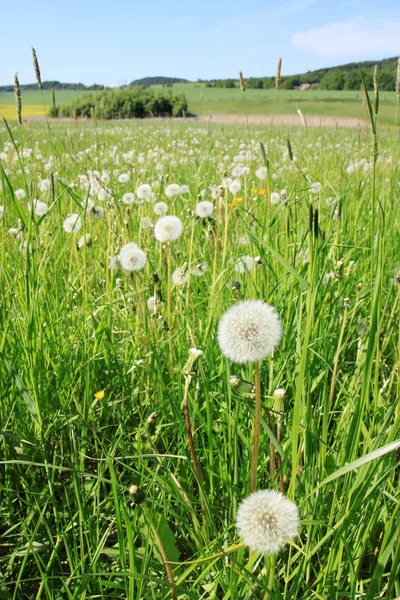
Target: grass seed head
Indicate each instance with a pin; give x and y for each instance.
(278, 74)
(37, 69)
(241, 82)
(18, 101)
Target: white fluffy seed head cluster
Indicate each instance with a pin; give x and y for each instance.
(266, 520)
(204, 209)
(72, 223)
(249, 331)
(132, 258)
(39, 208)
(160, 208)
(168, 228)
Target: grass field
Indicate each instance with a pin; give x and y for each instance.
(202, 101)
(125, 454)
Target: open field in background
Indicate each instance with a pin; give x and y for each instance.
(218, 100)
(90, 351)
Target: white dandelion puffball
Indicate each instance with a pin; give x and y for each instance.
(199, 269)
(72, 223)
(39, 208)
(235, 187)
(84, 240)
(275, 198)
(44, 185)
(98, 212)
(244, 264)
(124, 178)
(20, 194)
(180, 276)
(261, 173)
(173, 189)
(204, 209)
(146, 223)
(103, 195)
(184, 189)
(168, 228)
(132, 258)
(160, 208)
(129, 198)
(144, 192)
(249, 331)
(266, 520)
(315, 187)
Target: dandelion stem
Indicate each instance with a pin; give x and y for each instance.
(257, 420)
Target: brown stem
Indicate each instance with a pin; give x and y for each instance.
(279, 458)
(189, 429)
(271, 450)
(165, 561)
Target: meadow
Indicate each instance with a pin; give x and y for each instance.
(129, 436)
(203, 101)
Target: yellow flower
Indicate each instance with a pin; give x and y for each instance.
(261, 192)
(99, 395)
(231, 204)
(238, 200)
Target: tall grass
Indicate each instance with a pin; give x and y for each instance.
(71, 524)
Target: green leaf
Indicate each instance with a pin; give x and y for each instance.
(356, 464)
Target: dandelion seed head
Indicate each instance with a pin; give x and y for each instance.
(180, 276)
(72, 224)
(20, 194)
(261, 173)
(204, 209)
(160, 208)
(235, 187)
(84, 240)
(39, 208)
(132, 258)
(129, 198)
(275, 198)
(168, 228)
(173, 189)
(244, 264)
(266, 520)
(144, 192)
(249, 331)
(124, 177)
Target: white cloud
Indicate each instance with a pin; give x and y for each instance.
(355, 38)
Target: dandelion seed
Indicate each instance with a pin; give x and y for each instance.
(72, 224)
(261, 173)
(144, 192)
(180, 275)
(124, 178)
(173, 189)
(146, 223)
(132, 258)
(315, 187)
(85, 240)
(160, 208)
(44, 185)
(39, 208)
(204, 209)
(275, 198)
(244, 264)
(199, 269)
(266, 520)
(235, 187)
(249, 331)
(129, 198)
(168, 228)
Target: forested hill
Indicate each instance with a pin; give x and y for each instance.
(57, 85)
(343, 77)
(157, 81)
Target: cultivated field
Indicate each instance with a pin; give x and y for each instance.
(203, 101)
(130, 413)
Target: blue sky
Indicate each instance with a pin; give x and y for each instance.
(115, 42)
